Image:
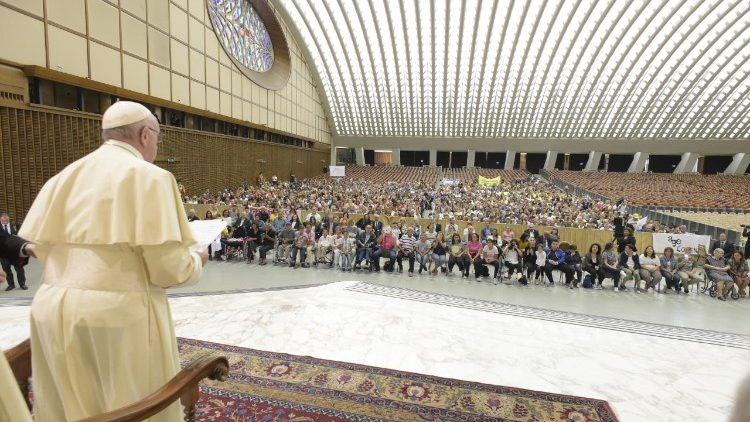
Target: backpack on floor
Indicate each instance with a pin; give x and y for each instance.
(484, 271)
(588, 282)
(523, 281)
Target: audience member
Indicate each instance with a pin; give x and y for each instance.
(17, 264)
(512, 258)
(668, 267)
(611, 264)
(738, 270)
(718, 269)
(557, 260)
(592, 265)
(688, 268)
(406, 250)
(724, 244)
(650, 270)
(490, 255)
(630, 267)
(439, 254)
(576, 263)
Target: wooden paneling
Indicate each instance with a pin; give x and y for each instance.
(208, 161)
(36, 143)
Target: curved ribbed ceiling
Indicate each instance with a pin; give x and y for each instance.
(661, 69)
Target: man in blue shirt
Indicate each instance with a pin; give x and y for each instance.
(557, 260)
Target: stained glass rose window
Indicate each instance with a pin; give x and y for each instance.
(242, 33)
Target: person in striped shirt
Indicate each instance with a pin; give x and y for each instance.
(406, 250)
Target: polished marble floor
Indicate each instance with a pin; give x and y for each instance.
(693, 310)
(654, 357)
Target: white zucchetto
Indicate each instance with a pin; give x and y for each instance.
(123, 113)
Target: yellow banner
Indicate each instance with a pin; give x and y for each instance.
(484, 181)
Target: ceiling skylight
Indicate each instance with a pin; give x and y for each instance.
(642, 69)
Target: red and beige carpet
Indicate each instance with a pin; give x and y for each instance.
(276, 387)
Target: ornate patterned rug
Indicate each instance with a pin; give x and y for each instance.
(276, 387)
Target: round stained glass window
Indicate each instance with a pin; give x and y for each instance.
(242, 33)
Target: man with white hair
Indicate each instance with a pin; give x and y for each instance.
(112, 235)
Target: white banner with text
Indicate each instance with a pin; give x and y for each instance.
(678, 242)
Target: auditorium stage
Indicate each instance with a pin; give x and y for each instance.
(646, 371)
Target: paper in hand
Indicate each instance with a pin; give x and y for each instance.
(206, 232)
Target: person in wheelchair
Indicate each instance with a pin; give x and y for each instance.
(285, 240)
(233, 244)
(738, 269)
(718, 270)
(326, 242)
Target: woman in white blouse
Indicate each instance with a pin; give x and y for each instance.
(431, 233)
(650, 268)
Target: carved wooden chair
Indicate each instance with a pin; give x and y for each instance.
(184, 386)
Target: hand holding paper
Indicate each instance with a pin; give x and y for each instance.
(206, 232)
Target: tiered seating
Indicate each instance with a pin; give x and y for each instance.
(665, 190)
(730, 221)
(470, 176)
(383, 174)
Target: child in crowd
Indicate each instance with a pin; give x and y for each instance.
(541, 260)
(576, 262)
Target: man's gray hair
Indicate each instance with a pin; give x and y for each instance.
(124, 133)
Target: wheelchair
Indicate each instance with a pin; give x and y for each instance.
(328, 258)
(235, 248)
(713, 288)
(281, 253)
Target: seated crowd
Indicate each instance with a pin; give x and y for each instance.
(486, 253)
(518, 199)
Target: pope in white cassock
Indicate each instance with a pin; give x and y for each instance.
(112, 235)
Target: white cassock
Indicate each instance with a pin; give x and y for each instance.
(112, 235)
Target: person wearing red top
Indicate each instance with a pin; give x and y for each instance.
(387, 248)
(474, 250)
